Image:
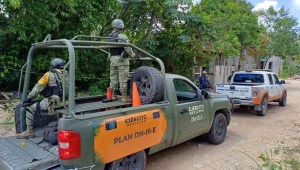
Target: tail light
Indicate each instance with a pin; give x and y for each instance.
(69, 145)
(213, 89)
(254, 92)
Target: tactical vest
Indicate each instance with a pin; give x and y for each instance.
(115, 51)
(56, 89)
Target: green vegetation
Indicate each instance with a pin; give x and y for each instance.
(177, 31)
(289, 158)
(282, 39)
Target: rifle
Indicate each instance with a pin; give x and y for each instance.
(138, 57)
(26, 104)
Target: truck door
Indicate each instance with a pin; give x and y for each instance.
(192, 112)
(278, 86)
(272, 89)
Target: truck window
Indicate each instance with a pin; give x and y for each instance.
(270, 79)
(248, 78)
(276, 79)
(184, 91)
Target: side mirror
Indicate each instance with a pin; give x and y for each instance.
(199, 94)
(205, 94)
(282, 82)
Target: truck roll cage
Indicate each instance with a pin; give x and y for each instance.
(79, 42)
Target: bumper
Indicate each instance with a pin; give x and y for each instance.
(242, 102)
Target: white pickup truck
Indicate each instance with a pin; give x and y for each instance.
(255, 89)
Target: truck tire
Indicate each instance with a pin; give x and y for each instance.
(150, 84)
(135, 161)
(263, 107)
(218, 130)
(283, 100)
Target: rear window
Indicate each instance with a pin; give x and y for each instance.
(248, 78)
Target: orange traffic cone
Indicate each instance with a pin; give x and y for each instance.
(108, 96)
(108, 93)
(136, 100)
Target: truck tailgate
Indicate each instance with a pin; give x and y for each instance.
(19, 154)
(235, 91)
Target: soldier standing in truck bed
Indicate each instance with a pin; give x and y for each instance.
(119, 61)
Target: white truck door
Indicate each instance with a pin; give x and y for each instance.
(272, 89)
(278, 86)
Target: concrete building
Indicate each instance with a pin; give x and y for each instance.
(219, 70)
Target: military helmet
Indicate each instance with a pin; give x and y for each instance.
(58, 63)
(117, 23)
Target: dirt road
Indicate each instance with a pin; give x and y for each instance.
(276, 135)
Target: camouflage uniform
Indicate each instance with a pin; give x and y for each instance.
(119, 68)
(50, 85)
(47, 104)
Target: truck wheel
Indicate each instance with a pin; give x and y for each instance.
(263, 107)
(150, 84)
(218, 130)
(135, 161)
(283, 100)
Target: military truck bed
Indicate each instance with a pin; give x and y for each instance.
(33, 153)
(85, 106)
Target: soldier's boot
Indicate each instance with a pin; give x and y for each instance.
(114, 96)
(126, 99)
(29, 133)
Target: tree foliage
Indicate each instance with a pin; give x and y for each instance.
(177, 31)
(281, 38)
(283, 31)
(231, 27)
(164, 28)
(33, 20)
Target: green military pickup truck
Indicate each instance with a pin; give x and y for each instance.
(93, 134)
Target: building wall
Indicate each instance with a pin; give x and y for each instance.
(274, 64)
(221, 74)
(218, 74)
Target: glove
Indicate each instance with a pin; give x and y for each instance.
(29, 100)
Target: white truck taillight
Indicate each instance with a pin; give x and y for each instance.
(254, 92)
(69, 145)
(213, 90)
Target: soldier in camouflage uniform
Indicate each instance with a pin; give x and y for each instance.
(50, 85)
(119, 62)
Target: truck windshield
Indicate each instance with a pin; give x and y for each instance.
(248, 78)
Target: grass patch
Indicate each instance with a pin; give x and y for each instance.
(289, 160)
(294, 164)
(270, 163)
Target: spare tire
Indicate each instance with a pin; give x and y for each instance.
(150, 84)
